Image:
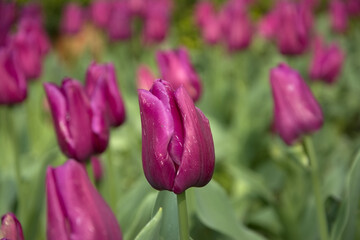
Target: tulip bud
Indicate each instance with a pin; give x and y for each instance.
(339, 16)
(295, 27)
(236, 25)
(208, 21)
(7, 18)
(145, 78)
(105, 75)
(177, 145)
(11, 228)
(327, 62)
(28, 52)
(268, 25)
(175, 67)
(100, 12)
(79, 126)
(119, 25)
(156, 21)
(75, 210)
(13, 87)
(296, 112)
(72, 19)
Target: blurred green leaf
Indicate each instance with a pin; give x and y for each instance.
(152, 229)
(215, 211)
(344, 225)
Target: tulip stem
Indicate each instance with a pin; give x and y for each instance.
(320, 209)
(183, 216)
(90, 171)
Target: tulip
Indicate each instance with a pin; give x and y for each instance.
(145, 78)
(100, 12)
(34, 28)
(296, 112)
(157, 20)
(11, 228)
(177, 145)
(119, 25)
(80, 125)
(339, 16)
(208, 21)
(32, 11)
(75, 210)
(7, 18)
(295, 28)
(105, 75)
(236, 25)
(269, 24)
(175, 67)
(72, 19)
(327, 62)
(13, 87)
(353, 7)
(28, 51)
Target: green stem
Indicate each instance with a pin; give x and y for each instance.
(183, 217)
(90, 171)
(110, 179)
(320, 209)
(12, 134)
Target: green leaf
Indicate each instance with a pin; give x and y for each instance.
(152, 230)
(169, 225)
(344, 225)
(215, 211)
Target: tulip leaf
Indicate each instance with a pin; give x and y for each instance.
(169, 225)
(214, 210)
(344, 225)
(151, 230)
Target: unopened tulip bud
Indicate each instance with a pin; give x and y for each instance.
(13, 87)
(175, 67)
(105, 75)
(72, 19)
(79, 128)
(11, 228)
(296, 112)
(327, 62)
(177, 144)
(75, 210)
(145, 78)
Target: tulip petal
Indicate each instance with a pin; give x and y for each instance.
(60, 117)
(157, 130)
(11, 228)
(198, 159)
(79, 118)
(87, 214)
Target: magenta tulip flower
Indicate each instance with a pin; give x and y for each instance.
(72, 19)
(7, 18)
(10, 228)
(80, 127)
(28, 53)
(156, 20)
(327, 62)
(296, 112)
(13, 87)
(145, 78)
(100, 12)
(208, 21)
(97, 168)
(338, 16)
(119, 25)
(293, 34)
(75, 210)
(175, 67)
(177, 144)
(102, 77)
(236, 25)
